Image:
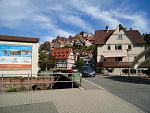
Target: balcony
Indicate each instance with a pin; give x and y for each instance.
(116, 53)
(115, 64)
(119, 65)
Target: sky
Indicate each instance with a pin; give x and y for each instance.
(45, 19)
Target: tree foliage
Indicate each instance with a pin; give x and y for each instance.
(147, 39)
(85, 49)
(79, 63)
(45, 60)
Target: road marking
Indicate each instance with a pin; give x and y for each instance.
(94, 84)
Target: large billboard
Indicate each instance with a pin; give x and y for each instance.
(15, 56)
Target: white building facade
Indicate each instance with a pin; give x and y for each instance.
(64, 58)
(116, 49)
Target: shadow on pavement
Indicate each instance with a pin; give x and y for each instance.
(64, 85)
(46, 107)
(136, 80)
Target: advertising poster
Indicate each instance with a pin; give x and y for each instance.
(13, 56)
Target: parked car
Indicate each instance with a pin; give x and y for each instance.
(87, 71)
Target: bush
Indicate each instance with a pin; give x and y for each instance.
(99, 70)
(11, 89)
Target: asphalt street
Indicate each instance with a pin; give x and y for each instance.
(133, 90)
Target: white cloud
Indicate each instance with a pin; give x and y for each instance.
(137, 21)
(46, 38)
(64, 33)
(13, 10)
(77, 21)
(112, 17)
(38, 16)
(22, 14)
(104, 16)
(96, 12)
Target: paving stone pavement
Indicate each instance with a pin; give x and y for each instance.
(87, 85)
(71, 101)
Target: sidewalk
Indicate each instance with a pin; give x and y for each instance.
(65, 101)
(87, 85)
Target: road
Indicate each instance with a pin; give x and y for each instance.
(135, 91)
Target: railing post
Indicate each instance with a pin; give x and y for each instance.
(51, 86)
(72, 83)
(28, 83)
(80, 78)
(73, 80)
(2, 83)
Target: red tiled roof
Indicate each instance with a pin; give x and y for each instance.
(101, 36)
(61, 53)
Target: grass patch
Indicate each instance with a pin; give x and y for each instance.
(11, 89)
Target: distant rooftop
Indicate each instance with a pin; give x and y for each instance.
(61, 53)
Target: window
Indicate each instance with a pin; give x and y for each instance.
(129, 47)
(119, 37)
(118, 59)
(118, 47)
(109, 48)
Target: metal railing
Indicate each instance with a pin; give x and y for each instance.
(28, 82)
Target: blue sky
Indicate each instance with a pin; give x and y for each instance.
(45, 19)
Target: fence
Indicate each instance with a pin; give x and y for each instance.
(41, 82)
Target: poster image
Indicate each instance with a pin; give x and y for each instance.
(13, 56)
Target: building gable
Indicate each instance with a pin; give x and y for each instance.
(118, 37)
(101, 36)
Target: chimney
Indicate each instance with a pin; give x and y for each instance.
(107, 28)
(120, 27)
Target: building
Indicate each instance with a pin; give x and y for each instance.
(90, 40)
(59, 42)
(64, 58)
(18, 55)
(116, 49)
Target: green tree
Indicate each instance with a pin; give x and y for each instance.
(42, 60)
(147, 39)
(51, 62)
(79, 63)
(45, 60)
